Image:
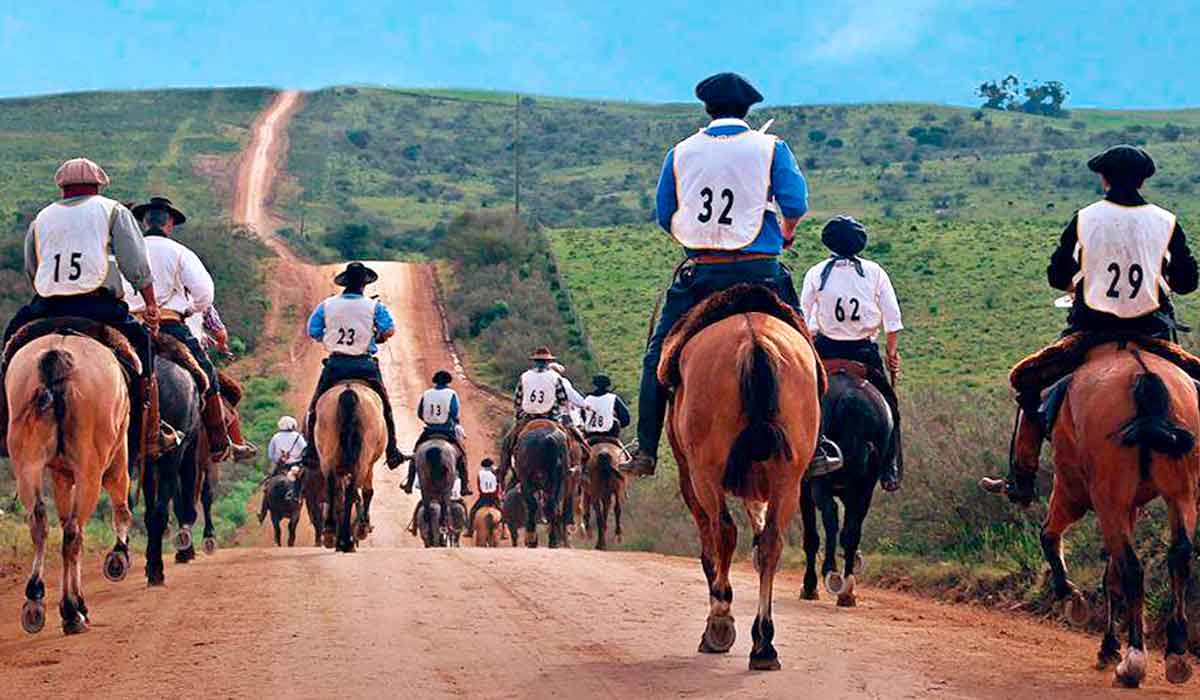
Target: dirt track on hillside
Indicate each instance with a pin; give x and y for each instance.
(394, 620)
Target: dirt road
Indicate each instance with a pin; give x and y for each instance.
(397, 621)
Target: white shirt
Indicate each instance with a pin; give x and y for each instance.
(286, 447)
(456, 490)
(575, 399)
(349, 324)
(1121, 252)
(722, 183)
(850, 307)
(488, 483)
(435, 405)
(72, 241)
(181, 282)
(600, 413)
(539, 391)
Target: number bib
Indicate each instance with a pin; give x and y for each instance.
(600, 413)
(539, 391)
(848, 307)
(722, 184)
(72, 246)
(435, 406)
(349, 324)
(488, 483)
(1121, 253)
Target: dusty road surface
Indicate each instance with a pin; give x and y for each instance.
(396, 621)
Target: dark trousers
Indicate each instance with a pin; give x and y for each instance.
(181, 333)
(101, 307)
(692, 285)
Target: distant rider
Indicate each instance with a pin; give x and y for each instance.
(438, 409)
(846, 300)
(489, 492)
(286, 451)
(604, 413)
(540, 393)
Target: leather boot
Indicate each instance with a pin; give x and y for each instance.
(214, 424)
(158, 437)
(461, 468)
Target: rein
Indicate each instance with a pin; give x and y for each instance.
(833, 260)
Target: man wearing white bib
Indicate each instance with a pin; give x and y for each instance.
(847, 300)
(438, 409)
(489, 492)
(715, 198)
(350, 325)
(604, 413)
(540, 393)
(1122, 257)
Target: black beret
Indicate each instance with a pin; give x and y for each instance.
(844, 236)
(601, 382)
(487, 462)
(1123, 165)
(727, 89)
(442, 377)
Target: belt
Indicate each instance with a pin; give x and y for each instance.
(726, 258)
(164, 316)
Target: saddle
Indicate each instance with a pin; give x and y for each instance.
(736, 300)
(1047, 366)
(171, 348)
(106, 335)
(428, 434)
(849, 368)
(593, 440)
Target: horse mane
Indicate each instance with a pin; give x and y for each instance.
(349, 439)
(739, 299)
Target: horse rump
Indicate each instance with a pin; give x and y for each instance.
(764, 438)
(349, 437)
(54, 368)
(1151, 429)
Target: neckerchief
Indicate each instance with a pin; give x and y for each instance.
(833, 260)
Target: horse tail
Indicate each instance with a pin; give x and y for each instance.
(489, 521)
(764, 438)
(349, 437)
(1151, 429)
(604, 464)
(437, 465)
(54, 368)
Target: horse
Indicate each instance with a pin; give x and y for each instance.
(172, 477)
(455, 524)
(69, 415)
(1125, 435)
(278, 501)
(604, 489)
(312, 490)
(750, 433)
(542, 459)
(488, 522)
(435, 458)
(514, 513)
(856, 416)
(350, 437)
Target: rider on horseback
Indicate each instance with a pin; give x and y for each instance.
(351, 325)
(69, 252)
(489, 492)
(846, 300)
(286, 452)
(540, 393)
(604, 412)
(714, 198)
(184, 287)
(1122, 257)
(439, 410)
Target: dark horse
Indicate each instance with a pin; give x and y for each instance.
(278, 499)
(542, 459)
(514, 512)
(855, 415)
(171, 477)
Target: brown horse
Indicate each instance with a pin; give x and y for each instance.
(750, 432)
(542, 459)
(350, 438)
(1125, 436)
(604, 490)
(487, 526)
(69, 416)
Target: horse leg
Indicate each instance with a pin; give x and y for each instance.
(206, 501)
(719, 630)
(344, 535)
(293, 522)
(116, 483)
(1063, 512)
(532, 509)
(812, 541)
(830, 518)
(275, 518)
(763, 656)
(367, 495)
(616, 499)
(756, 512)
(1116, 526)
(33, 614)
(155, 492)
(602, 506)
(329, 527)
(78, 502)
(185, 506)
(856, 512)
(1182, 517)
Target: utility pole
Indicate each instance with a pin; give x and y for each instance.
(516, 159)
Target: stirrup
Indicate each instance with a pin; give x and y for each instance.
(827, 460)
(168, 438)
(641, 464)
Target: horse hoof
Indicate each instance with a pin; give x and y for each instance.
(184, 556)
(847, 600)
(77, 626)
(183, 539)
(1106, 660)
(327, 540)
(835, 583)
(116, 566)
(33, 616)
(1178, 669)
(1077, 610)
(719, 635)
(766, 663)
(210, 545)
(860, 564)
(361, 532)
(1132, 669)
(809, 593)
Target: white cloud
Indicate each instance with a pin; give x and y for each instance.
(880, 27)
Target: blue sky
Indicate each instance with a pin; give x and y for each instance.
(1109, 53)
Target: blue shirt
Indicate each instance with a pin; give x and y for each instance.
(383, 322)
(787, 187)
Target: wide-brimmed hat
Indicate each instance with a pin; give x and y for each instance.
(1123, 165)
(844, 236)
(80, 171)
(727, 90)
(139, 212)
(442, 377)
(355, 272)
(543, 353)
(601, 382)
(287, 423)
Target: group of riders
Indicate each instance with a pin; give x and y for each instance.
(731, 195)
